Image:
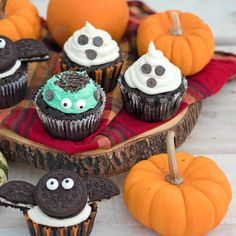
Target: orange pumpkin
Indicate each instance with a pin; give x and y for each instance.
(183, 37)
(189, 203)
(66, 16)
(19, 19)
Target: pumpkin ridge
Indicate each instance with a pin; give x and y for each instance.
(158, 167)
(192, 57)
(186, 212)
(150, 171)
(198, 167)
(207, 200)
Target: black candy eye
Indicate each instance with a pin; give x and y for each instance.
(151, 83)
(160, 70)
(83, 39)
(81, 104)
(98, 41)
(66, 103)
(91, 54)
(2, 43)
(146, 68)
(49, 95)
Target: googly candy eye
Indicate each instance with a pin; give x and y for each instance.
(83, 39)
(52, 184)
(81, 104)
(66, 103)
(68, 183)
(2, 43)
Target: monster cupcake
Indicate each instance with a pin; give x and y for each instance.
(14, 57)
(152, 88)
(62, 203)
(70, 105)
(94, 51)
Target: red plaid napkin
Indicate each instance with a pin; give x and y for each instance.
(117, 125)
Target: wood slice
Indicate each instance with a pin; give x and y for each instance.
(115, 160)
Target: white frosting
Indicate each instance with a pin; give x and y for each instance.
(108, 52)
(11, 71)
(17, 205)
(37, 216)
(169, 81)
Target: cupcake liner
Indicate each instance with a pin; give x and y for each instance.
(72, 129)
(13, 92)
(82, 229)
(106, 76)
(152, 108)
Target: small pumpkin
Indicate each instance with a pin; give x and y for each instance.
(66, 16)
(19, 19)
(3, 169)
(183, 37)
(177, 196)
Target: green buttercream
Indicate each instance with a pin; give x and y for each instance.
(81, 100)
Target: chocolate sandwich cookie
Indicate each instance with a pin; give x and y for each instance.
(62, 202)
(14, 57)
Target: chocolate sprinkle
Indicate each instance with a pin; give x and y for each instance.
(151, 83)
(91, 54)
(83, 39)
(98, 41)
(160, 70)
(72, 81)
(146, 68)
(49, 95)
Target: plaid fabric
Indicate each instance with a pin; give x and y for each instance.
(117, 125)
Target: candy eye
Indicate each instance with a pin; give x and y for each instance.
(2, 43)
(66, 103)
(146, 68)
(68, 183)
(151, 83)
(98, 41)
(81, 104)
(83, 39)
(52, 184)
(160, 70)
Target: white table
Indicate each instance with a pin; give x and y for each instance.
(214, 136)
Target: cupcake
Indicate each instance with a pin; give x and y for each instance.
(93, 50)
(152, 88)
(70, 105)
(62, 203)
(14, 57)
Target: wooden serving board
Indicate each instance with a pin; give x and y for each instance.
(105, 162)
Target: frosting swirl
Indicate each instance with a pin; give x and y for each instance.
(90, 46)
(153, 73)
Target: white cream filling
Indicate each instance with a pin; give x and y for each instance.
(37, 216)
(19, 205)
(108, 52)
(11, 71)
(169, 81)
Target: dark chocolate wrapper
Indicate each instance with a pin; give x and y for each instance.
(152, 108)
(13, 92)
(72, 129)
(82, 229)
(106, 75)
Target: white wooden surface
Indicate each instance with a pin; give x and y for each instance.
(214, 135)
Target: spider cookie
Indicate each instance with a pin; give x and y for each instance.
(62, 203)
(94, 51)
(71, 105)
(152, 88)
(14, 57)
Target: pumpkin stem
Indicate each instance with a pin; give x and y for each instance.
(176, 28)
(3, 4)
(173, 176)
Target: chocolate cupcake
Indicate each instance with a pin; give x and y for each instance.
(152, 88)
(14, 57)
(71, 105)
(93, 50)
(62, 203)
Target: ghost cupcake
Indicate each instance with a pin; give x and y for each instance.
(61, 204)
(94, 51)
(70, 105)
(14, 58)
(152, 88)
